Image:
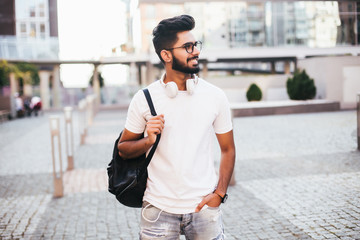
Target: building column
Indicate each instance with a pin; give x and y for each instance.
(44, 89)
(143, 72)
(133, 75)
(204, 72)
(287, 67)
(56, 101)
(14, 86)
(272, 68)
(150, 73)
(96, 85)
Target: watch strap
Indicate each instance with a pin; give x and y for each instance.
(221, 195)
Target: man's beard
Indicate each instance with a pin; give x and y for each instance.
(185, 69)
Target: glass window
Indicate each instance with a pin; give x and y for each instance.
(42, 30)
(42, 27)
(41, 10)
(32, 30)
(32, 11)
(23, 27)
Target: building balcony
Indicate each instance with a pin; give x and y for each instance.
(13, 48)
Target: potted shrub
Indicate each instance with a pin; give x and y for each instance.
(300, 86)
(253, 93)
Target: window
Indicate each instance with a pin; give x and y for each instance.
(41, 10)
(32, 11)
(32, 30)
(23, 27)
(42, 27)
(42, 30)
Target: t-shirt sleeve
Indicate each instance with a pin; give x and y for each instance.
(135, 121)
(223, 121)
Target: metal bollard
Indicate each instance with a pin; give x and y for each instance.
(58, 178)
(82, 120)
(358, 120)
(69, 137)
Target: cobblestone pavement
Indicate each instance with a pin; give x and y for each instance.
(297, 177)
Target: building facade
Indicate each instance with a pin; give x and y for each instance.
(29, 29)
(264, 37)
(236, 24)
(29, 33)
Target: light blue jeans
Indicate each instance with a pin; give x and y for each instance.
(204, 225)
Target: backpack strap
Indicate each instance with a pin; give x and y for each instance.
(148, 99)
(153, 112)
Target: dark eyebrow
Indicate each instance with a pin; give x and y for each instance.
(187, 43)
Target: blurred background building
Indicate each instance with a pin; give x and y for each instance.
(243, 42)
(29, 38)
(242, 37)
(29, 29)
(236, 24)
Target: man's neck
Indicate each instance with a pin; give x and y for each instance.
(178, 77)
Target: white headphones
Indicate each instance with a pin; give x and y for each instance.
(172, 90)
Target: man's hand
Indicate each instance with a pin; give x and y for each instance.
(212, 200)
(154, 126)
(131, 145)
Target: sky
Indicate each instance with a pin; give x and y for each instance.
(89, 29)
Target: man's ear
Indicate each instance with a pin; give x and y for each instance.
(166, 56)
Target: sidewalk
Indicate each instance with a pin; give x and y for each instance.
(298, 177)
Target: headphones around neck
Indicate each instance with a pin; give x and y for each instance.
(172, 90)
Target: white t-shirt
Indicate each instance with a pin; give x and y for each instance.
(182, 171)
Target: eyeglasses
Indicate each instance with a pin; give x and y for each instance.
(189, 47)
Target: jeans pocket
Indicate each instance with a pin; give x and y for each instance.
(150, 213)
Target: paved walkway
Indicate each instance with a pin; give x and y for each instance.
(298, 177)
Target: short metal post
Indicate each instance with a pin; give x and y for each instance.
(55, 134)
(69, 137)
(82, 120)
(358, 120)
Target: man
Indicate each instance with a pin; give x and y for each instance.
(183, 192)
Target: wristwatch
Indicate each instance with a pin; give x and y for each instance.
(223, 197)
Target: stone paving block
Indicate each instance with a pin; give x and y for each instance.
(299, 183)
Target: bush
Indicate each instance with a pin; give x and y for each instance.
(253, 93)
(300, 86)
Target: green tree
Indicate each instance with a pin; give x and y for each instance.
(29, 73)
(4, 72)
(253, 93)
(5, 69)
(300, 86)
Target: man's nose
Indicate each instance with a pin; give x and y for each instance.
(196, 51)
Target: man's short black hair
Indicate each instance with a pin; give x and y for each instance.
(165, 33)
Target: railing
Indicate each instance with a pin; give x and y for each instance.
(13, 48)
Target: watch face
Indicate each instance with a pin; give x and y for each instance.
(225, 198)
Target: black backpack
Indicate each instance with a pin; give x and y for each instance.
(127, 178)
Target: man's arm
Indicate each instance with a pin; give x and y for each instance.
(227, 147)
(131, 144)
